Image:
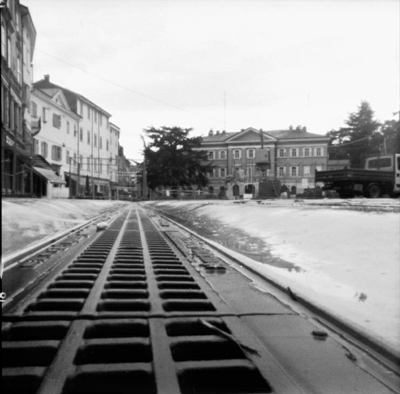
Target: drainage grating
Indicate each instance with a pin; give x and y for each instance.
(130, 314)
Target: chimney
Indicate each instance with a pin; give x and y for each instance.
(210, 133)
(47, 78)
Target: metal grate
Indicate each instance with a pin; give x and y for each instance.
(127, 316)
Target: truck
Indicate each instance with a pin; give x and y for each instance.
(379, 177)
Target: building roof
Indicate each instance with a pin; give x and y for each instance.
(219, 137)
(70, 95)
(278, 134)
(295, 134)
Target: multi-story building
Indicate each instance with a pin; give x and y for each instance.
(57, 140)
(88, 143)
(243, 159)
(18, 36)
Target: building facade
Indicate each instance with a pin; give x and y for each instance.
(18, 36)
(243, 159)
(57, 140)
(87, 152)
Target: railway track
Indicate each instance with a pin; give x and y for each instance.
(144, 307)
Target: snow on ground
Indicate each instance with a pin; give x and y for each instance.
(26, 221)
(346, 260)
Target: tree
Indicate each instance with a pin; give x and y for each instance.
(390, 132)
(360, 138)
(171, 159)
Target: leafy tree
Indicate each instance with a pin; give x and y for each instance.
(171, 159)
(390, 135)
(361, 137)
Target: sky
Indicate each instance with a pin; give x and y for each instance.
(222, 65)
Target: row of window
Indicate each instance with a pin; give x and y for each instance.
(11, 112)
(251, 153)
(282, 171)
(300, 152)
(56, 155)
(6, 49)
(295, 171)
(97, 116)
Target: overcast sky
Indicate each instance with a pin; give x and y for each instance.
(222, 64)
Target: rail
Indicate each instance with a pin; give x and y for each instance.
(147, 308)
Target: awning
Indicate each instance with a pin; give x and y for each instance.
(49, 175)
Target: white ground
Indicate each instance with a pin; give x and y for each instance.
(351, 259)
(26, 221)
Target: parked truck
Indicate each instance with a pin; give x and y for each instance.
(380, 176)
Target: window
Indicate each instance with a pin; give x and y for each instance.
(249, 172)
(44, 114)
(57, 121)
(88, 137)
(281, 152)
(107, 145)
(12, 114)
(95, 116)
(100, 167)
(80, 159)
(95, 140)
(75, 130)
(294, 171)
(88, 163)
(81, 111)
(67, 158)
(7, 110)
(44, 149)
(307, 152)
(35, 146)
(306, 170)
(34, 110)
(223, 172)
(17, 21)
(19, 75)
(222, 154)
(67, 127)
(380, 163)
(237, 154)
(250, 153)
(56, 153)
(210, 155)
(101, 119)
(9, 53)
(319, 151)
(281, 171)
(294, 152)
(81, 134)
(101, 143)
(3, 40)
(88, 112)
(74, 163)
(95, 165)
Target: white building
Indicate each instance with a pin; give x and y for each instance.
(91, 145)
(57, 139)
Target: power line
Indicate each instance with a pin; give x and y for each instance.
(126, 88)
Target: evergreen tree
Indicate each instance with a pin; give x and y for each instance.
(359, 139)
(171, 159)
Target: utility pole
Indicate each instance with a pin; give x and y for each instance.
(144, 177)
